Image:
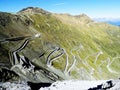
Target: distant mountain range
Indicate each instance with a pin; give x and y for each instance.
(113, 21)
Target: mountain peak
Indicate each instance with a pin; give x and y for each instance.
(33, 10)
(82, 16)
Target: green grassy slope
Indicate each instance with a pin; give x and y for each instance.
(92, 47)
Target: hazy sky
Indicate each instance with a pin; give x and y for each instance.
(93, 8)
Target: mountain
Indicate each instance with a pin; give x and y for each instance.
(32, 10)
(117, 23)
(113, 21)
(40, 46)
(73, 20)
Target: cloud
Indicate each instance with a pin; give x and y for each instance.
(58, 4)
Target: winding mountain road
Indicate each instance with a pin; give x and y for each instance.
(67, 62)
(109, 63)
(25, 68)
(50, 60)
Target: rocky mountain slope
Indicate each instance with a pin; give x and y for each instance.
(40, 46)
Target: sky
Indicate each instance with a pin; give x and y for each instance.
(93, 8)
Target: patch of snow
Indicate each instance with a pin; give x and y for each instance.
(14, 86)
(66, 85)
(73, 85)
(81, 85)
